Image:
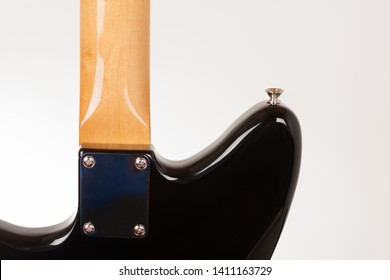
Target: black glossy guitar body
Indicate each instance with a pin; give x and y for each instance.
(228, 202)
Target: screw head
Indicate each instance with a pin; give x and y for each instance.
(89, 228)
(139, 230)
(88, 161)
(141, 163)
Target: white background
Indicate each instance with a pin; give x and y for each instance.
(211, 60)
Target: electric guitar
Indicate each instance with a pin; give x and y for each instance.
(230, 201)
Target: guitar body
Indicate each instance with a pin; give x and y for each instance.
(228, 202)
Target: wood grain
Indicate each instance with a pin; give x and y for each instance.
(114, 86)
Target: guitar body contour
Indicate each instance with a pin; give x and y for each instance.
(228, 202)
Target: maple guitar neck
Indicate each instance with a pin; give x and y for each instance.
(115, 74)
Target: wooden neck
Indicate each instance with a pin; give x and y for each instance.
(114, 93)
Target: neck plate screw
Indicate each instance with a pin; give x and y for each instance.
(88, 228)
(141, 163)
(139, 230)
(88, 162)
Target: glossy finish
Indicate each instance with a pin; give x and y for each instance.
(114, 85)
(247, 178)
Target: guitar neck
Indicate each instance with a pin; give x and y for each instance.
(115, 74)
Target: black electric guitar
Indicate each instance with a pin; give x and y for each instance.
(230, 201)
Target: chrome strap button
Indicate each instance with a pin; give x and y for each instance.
(274, 94)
